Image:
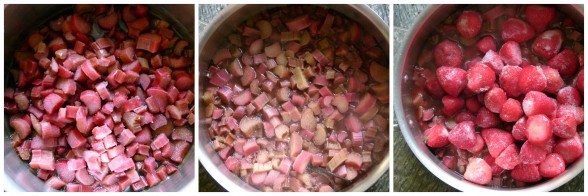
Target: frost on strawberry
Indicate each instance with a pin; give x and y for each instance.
(509, 157)
(494, 99)
(548, 43)
(509, 80)
(552, 166)
(478, 171)
(451, 105)
(554, 80)
(497, 140)
(511, 110)
(569, 148)
(536, 102)
(469, 23)
(451, 79)
(447, 53)
(569, 96)
(517, 30)
(565, 62)
(463, 136)
(511, 53)
(532, 154)
(436, 136)
(486, 44)
(480, 78)
(538, 130)
(526, 173)
(487, 119)
(532, 78)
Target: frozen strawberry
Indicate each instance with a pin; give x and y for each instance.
(518, 129)
(447, 53)
(517, 30)
(464, 116)
(469, 23)
(434, 88)
(509, 80)
(486, 44)
(472, 104)
(494, 99)
(575, 111)
(554, 80)
(564, 127)
(532, 154)
(538, 130)
(479, 146)
(526, 173)
(436, 136)
(480, 78)
(497, 140)
(565, 62)
(539, 16)
(470, 63)
(548, 44)
(493, 60)
(569, 148)
(463, 136)
(451, 79)
(495, 168)
(580, 81)
(532, 78)
(511, 110)
(451, 105)
(508, 158)
(478, 171)
(552, 166)
(569, 96)
(486, 118)
(536, 102)
(510, 53)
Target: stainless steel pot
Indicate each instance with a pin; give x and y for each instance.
(406, 115)
(216, 32)
(19, 21)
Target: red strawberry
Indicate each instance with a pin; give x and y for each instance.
(495, 168)
(547, 44)
(478, 171)
(518, 130)
(497, 140)
(517, 30)
(581, 58)
(469, 23)
(479, 145)
(509, 80)
(451, 79)
(470, 63)
(480, 78)
(436, 136)
(564, 127)
(463, 136)
(486, 118)
(532, 154)
(532, 78)
(538, 130)
(575, 111)
(494, 99)
(451, 104)
(540, 16)
(570, 149)
(526, 173)
(552, 166)
(464, 116)
(511, 110)
(493, 60)
(434, 88)
(580, 81)
(473, 105)
(565, 62)
(510, 53)
(508, 158)
(554, 80)
(486, 44)
(569, 96)
(447, 53)
(536, 102)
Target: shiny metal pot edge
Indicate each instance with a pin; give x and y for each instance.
(210, 38)
(405, 113)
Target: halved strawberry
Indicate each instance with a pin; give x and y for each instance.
(494, 99)
(451, 105)
(493, 60)
(517, 30)
(552, 166)
(564, 127)
(569, 148)
(540, 16)
(463, 136)
(510, 53)
(436, 136)
(487, 119)
(532, 154)
(569, 96)
(526, 173)
(480, 78)
(509, 157)
(451, 79)
(554, 80)
(538, 130)
(447, 53)
(532, 78)
(486, 44)
(511, 110)
(509, 80)
(547, 44)
(469, 23)
(565, 62)
(497, 140)
(536, 102)
(478, 171)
